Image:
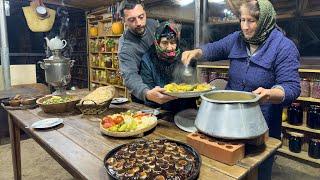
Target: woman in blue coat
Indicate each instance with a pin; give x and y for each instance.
(262, 61)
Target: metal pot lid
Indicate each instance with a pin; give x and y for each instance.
(230, 97)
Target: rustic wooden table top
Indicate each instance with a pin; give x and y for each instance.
(80, 148)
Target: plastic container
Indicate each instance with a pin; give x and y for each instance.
(305, 88)
(295, 114)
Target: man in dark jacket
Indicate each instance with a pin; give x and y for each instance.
(134, 42)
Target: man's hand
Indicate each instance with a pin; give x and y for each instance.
(187, 56)
(157, 96)
(273, 95)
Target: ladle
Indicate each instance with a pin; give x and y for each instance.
(187, 71)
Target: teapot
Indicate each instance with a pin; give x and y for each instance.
(55, 43)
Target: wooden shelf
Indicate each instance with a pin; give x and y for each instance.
(112, 35)
(213, 66)
(79, 79)
(104, 52)
(108, 84)
(227, 67)
(83, 66)
(109, 19)
(302, 155)
(309, 70)
(106, 36)
(112, 69)
(106, 20)
(308, 99)
(301, 128)
(96, 67)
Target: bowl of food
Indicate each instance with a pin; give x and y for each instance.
(28, 101)
(58, 104)
(14, 102)
(187, 90)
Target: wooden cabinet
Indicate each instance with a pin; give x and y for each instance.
(309, 68)
(103, 59)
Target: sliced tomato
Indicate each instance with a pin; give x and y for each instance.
(107, 119)
(107, 125)
(118, 120)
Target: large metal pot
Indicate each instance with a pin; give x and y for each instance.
(230, 115)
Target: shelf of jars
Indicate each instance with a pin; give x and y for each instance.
(301, 155)
(301, 145)
(302, 127)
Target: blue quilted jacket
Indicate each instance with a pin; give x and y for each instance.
(276, 62)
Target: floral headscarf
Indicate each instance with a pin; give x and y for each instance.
(170, 31)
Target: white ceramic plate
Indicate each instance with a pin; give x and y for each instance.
(185, 120)
(46, 123)
(119, 100)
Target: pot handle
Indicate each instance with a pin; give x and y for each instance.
(64, 43)
(66, 79)
(42, 65)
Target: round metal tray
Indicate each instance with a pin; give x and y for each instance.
(191, 150)
(190, 94)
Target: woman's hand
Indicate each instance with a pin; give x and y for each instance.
(188, 55)
(157, 96)
(274, 95)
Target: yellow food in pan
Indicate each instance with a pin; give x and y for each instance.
(173, 87)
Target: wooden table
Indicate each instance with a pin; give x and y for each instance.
(80, 148)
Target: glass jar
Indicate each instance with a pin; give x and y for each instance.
(204, 77)
(96, 46)
(108, 61)
(213, 75)
(315, 88)
(313, 117)
(92, 46)
(295, 114)
(305, 87)
(295, 142)
(314, 148)
(102, 46)
(97, 75)
(94, 75)
(112, 78)
(224, 76)
(115, 63)
(119, 79)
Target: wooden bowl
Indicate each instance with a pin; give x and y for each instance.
(28, 101)
(59, 107)
(14, 102)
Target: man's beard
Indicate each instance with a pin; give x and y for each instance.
(139, 31)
